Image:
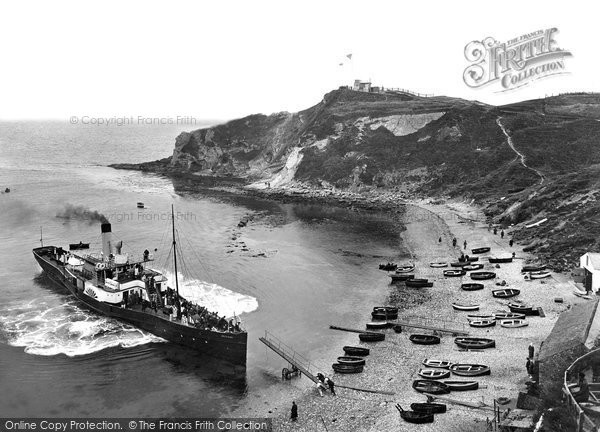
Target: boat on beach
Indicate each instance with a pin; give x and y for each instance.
(430, 386)
(474, 317)
(418, 283)
(454, 385)
(465, 307)
(438, 264)
(371, 337)
(421, 339)
(471, 286)
(506, 293)
(472, 267)
(480, 250)
(433, 374)
(513, 323)
(482, 275)
(482, 322)
(474, 343)
(428, 407)
(405, 268)
(454, 273)
(433, 363)
(500, 260)
(538, 275)
(351, 360)
(400, 277)
(356, 351)
(388, 267)
(459, 264)
(379, 325)
(468, 369)
(346, 369)
(508, 315)
(120, 286)
(416, 417)
(533, 268)
(523, 309)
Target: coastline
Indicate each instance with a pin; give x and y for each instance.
(390, 366)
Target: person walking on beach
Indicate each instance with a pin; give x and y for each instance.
(294, 415)
(502, 234)
(465, 244)
(454, 242)
(440, 240)
(511, 242)
(331, 385)
(495, 230)
(531, 350)
(528, 366)
(320, 386)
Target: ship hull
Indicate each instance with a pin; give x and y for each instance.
(228, 346)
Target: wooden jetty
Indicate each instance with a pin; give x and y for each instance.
(438, 325)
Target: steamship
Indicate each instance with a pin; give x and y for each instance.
(120, 286)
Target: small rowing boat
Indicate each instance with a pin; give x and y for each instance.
(474, 317)
(415, 416)
(465, 307)
(405, 268)
(428, 407)
(383, 316)
(401, 277)
(421, 339)
(346, 369)
(418, 283)
(385, 309)
(379, 325)
(351, 360)
(480, 250)
(506, 293)
(538, 275)
(433, 363)
(371, 337)
(513, 323)
(468, 369)
(434, 373)
(482, 323)
(459, 264)
(496, 260)
(461, 385)
(438, 264)
(471, 286)
(454, 273)
(508, 315)
(471, 267)
(482, 275)
(533, 268)
(388, 267)
(474, 343)
(522, 308)
(430, 386)
(356, 351)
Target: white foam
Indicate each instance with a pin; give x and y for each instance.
(213, 297)
(44, 328)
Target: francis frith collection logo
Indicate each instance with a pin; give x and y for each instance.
(515, 63)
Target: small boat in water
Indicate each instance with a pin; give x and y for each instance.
(434, 374)
(430, 386)
(467, 369)
(346, 369)
(502, 260)
(79, 246)
(454, 273)
(351, 360)
(140, 205)
(482, 322)
(461, 385)
(482, 275)
(415, 416)
(480, 250)
(371, 337)
(421, 339)
(506, 293)
(438, 264)
(471, 267)
(471, 286)
(513, 323)
(465, 307)
(433, 363)
(474, 343)
(428, 407)
(356, 351)
(385, 309)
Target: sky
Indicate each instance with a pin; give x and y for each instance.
(227, 59)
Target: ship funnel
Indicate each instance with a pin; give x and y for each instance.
(106, 239)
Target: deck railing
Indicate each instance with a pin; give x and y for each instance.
(584, 423)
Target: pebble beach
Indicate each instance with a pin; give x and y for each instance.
(393, 364)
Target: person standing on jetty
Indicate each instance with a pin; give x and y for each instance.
(294, 415)
(531, 350)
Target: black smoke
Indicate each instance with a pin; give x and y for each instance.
(73, 212)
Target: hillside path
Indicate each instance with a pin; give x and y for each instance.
(520, 155)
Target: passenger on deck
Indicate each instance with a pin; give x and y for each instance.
(583, 394)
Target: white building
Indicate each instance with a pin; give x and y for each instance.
(590, 262)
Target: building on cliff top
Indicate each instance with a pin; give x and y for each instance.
(590, 262)
(364, 86)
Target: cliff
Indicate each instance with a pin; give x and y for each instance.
(522, 162)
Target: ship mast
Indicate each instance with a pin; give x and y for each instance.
(175, 261)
